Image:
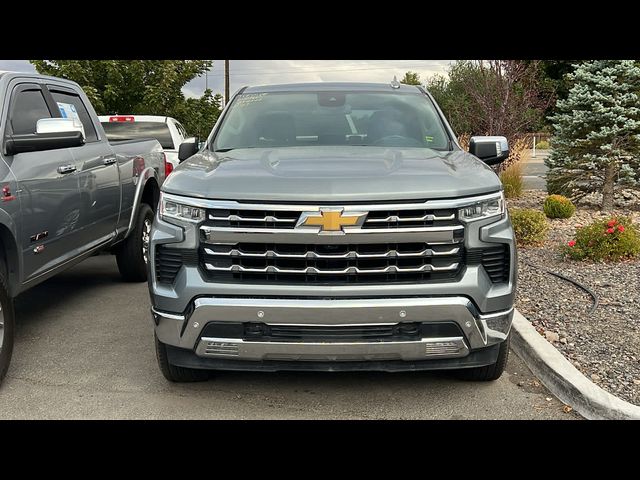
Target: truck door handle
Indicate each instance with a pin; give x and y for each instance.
(110, 160)
(66, 169)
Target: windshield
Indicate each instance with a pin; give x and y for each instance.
(116, 131)
(287, 119)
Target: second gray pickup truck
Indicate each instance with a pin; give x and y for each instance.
(65, 191)
(333, 227)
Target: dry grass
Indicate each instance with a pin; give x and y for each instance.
(511, 178)
(463, 140)
(517, 151)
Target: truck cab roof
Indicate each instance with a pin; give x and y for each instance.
(8, 75)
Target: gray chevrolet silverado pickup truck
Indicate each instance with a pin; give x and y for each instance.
(333, 226)
(66, 192)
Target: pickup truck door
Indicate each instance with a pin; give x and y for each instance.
(47, 187)
(97, 170)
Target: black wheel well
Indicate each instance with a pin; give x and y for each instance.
(9, 254)
(151, 194)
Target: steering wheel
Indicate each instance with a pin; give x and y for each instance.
(397, 141)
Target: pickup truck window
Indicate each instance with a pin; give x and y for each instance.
(282, 119)
(29, 106)
(83, 114)
(181, 130)
(116, 131)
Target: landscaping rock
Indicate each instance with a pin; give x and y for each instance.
(551, 336)
(604, 343)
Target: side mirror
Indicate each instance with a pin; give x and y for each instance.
(491, 150)
(188, 148)
(59, 125)
(51, 134)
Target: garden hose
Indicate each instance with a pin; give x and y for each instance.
(574, 282)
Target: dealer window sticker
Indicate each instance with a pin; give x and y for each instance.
(68, 110)
(249, 98)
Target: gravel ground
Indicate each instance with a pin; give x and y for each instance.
(603, 345)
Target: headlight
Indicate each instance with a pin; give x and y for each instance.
(169, 209)
(490, 207)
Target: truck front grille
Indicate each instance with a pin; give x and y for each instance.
(410, 218)
(263, 332)
(325, 263)
(234, 218)
(287, 219)
(389, 242)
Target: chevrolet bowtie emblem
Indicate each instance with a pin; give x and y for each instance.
(331, 220)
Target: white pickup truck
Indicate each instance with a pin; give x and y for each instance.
(167, 130)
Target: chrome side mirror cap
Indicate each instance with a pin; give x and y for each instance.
(59, 125)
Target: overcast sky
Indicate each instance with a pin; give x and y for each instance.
(260, 72)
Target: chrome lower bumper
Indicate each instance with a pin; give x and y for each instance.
(479, 330)
(239, 349)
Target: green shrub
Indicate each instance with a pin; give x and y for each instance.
(512, 180)
(612, 239)
(529, 225)
(557, 206)
(557, 186)
(542, 145)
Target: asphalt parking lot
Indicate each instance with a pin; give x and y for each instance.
(84, 350)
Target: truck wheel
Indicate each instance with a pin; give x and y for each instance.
(133, 254)
(174, 373)
(489, 372)
(7, 323)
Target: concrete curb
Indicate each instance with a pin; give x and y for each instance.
(563, 379)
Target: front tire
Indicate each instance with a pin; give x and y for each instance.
(491, 372)
(132, 256)
(7, 323)
(174, 373)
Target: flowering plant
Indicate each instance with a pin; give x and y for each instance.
(612, 239)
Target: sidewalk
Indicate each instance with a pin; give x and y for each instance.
(535, 170)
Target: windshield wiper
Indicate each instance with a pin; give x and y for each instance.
(222, 150)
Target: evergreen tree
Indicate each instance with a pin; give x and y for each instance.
(411, 78)
(596, 139)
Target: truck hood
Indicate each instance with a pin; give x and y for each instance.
(332, 174)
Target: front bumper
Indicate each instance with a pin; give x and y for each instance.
(477, 331)
(188, 359)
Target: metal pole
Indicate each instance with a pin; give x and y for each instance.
(226, 81)
(534, 147)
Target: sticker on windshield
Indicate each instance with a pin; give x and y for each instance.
(250, 98)
(68, 110)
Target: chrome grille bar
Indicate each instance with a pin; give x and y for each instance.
(318, 271)
(266, 218)
(428, 252)
(395, 218)
(431, 235)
